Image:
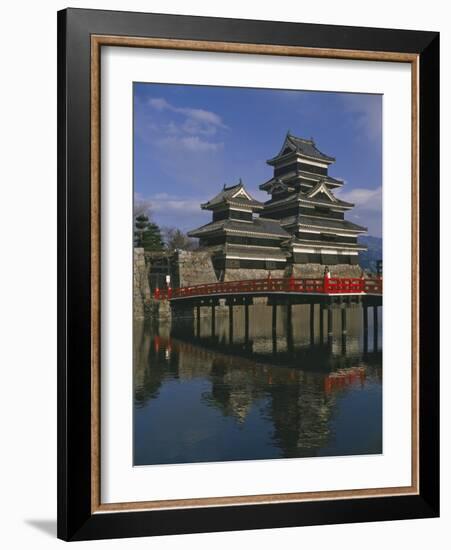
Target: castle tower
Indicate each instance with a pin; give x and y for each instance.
(303, 202)
(237, 238)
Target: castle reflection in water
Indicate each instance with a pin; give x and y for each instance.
(283, 388)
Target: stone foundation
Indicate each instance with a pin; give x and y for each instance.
(141, 290)
(194, 268)
(242, 274)
(159, 310)
(299, 271)
(316, 271)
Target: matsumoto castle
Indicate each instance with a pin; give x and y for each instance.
(302, 223)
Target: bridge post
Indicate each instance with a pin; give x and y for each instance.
(312, 324)
(246, 321)
(230, 322)
(329, 322)
(213, 319)
(375, 328)
(344, 327)
(365, 328)
(289, 327)
(321, 323)
(274, 327)
(198, 320)
(344, 319)
(289, 314)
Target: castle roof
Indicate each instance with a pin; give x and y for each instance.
(332, 245)
(301, 146)
(315, 222)
(234, 195)
(319, 194)
(259, 226)
(299, 178)
(277, 254)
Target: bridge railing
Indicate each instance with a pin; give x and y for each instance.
(326, 285)
(341, 285)
(373, 286)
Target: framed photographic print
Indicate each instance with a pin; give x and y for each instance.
(248, 274)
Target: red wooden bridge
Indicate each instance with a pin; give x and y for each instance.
(327, 286)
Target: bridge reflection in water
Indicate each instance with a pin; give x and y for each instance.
(264, 382)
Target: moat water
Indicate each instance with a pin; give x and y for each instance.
(273, 391)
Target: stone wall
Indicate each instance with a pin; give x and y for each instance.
(242, 274)
(317, 270)
(299, 271)
(141, 290)
(196, 267)
(193, 268)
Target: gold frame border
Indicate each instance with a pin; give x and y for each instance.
(97, 41)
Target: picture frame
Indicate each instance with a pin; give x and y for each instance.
(81, 36)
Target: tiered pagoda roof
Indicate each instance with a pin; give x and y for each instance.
(315, 222)
(303, 202)
(300, 146)
(262, 227)
(312, 180)
(235, 195)
(299, 164)
(320, 195)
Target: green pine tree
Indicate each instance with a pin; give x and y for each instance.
(147, 234)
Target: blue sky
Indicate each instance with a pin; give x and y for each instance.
(190, 140)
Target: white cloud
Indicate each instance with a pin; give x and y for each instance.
(169, 204)
(368, 208)
(364, 199)
(201, 115)
(159, 103)
(176, 211)
(367, 113)
(184, 129)
(193, 144)
(189, 130)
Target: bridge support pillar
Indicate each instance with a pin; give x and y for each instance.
(375, 328)
(321, 323)
(274, 327)
(289, 314)
(312, 324)
(344, 319)
(289, 327)
(198, 320)
(230, 322)
(213, 320)
(344, 328)
(246, 322)
(329, 322)
(365, 328)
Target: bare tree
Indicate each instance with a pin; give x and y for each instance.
(141, 207)
(175, 239)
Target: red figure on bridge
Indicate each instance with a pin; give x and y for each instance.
(326, 279)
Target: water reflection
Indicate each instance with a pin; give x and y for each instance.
(266, 383)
